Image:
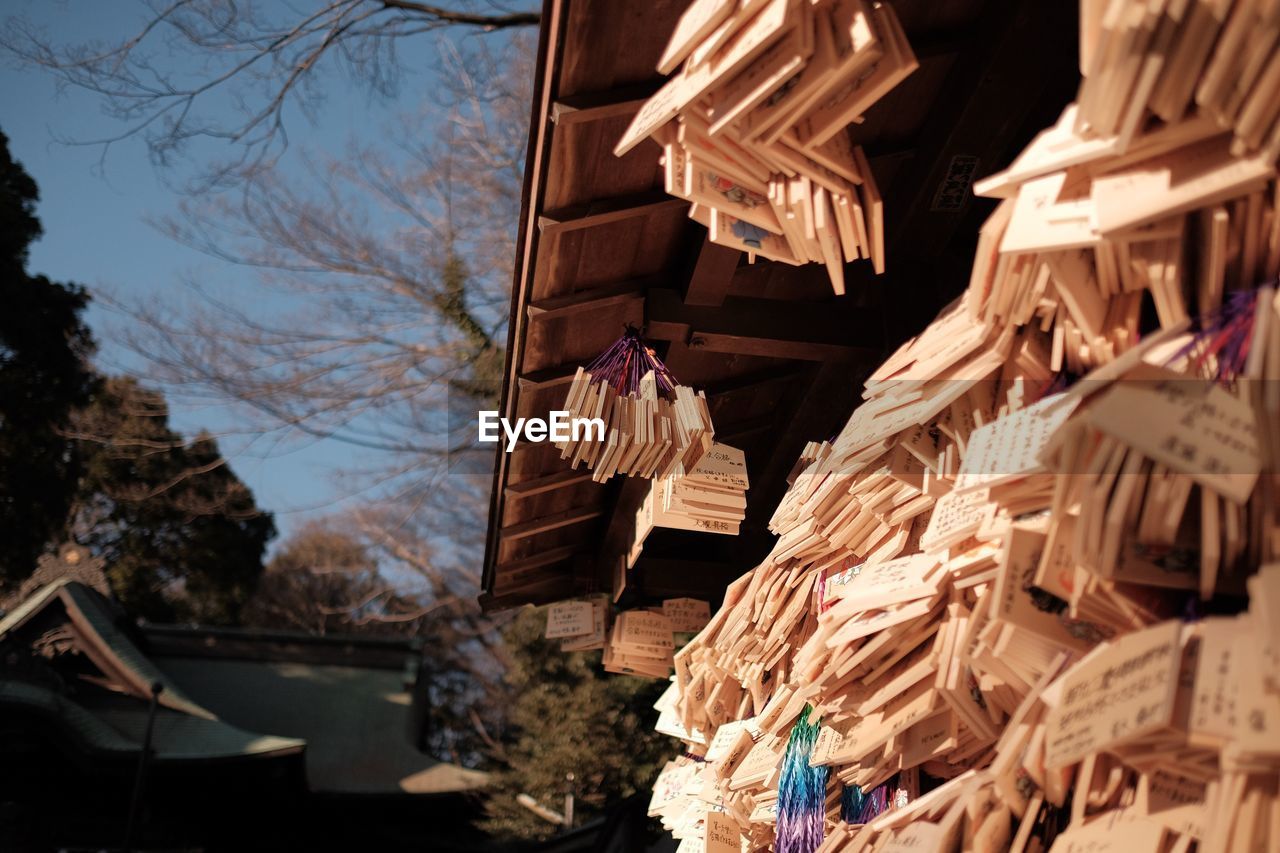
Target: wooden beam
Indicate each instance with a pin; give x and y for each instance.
(547, 483)
(551, 40)
(712, 274)
(547, 523)
(540, 380)
(535, 561)
(656, 577)
(543, 591)
(513, 573)
(750, 382)
(597, 106)
(607, 210)
(885, 152)
(811, 331)
(927, 44)
(592, 299)
(774, 347)
(748, 426)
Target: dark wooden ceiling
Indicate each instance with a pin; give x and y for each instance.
(781, 359)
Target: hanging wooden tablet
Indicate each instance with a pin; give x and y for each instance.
(651, 424)
(996, 577)
(752, 127)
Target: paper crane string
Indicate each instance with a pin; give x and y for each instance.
(802, 791)
(851, 800)
(878, 801)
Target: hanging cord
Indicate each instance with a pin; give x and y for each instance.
(626, 362)
(1218, 349)
(1221, 339)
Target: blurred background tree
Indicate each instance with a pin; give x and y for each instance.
(91, 459)
(44, 376)
(571, 717)
(373, 314)
(182, 536)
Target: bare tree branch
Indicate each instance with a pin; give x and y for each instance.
(381, 286)
(487, 22)
(255, 60)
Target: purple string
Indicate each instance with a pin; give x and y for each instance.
(624, 364)
(877, 802)
(1227, 333)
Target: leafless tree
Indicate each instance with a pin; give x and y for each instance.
(373, 303)
(366, 574)
(381, 282)
(172, 79)
(325, 580)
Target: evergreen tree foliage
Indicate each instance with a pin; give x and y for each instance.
(182, 536)
(44, 376)
(94, 460)
(569, 716)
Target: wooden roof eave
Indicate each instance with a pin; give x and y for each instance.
(550, 38)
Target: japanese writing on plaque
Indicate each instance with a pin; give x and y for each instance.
(955, 516)
(723, 835)
(953, 192)
(569, 619)
(1195, 427)
(1010, 446)
(686, 614)
(641, 628)
(1124, 692)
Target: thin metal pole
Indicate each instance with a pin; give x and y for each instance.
(139, 780)
(568, 802)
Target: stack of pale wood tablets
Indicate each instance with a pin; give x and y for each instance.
(753, 125)
(990, 587)
(641, 642)
(709, 499)
(713, 495)
(646, 423)
(635, 642)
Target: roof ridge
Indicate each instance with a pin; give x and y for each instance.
(90, 612)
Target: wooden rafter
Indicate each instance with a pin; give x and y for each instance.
(567, 518)
(547, 483)
(597, 106)
(592, 299)
(818, 331)
(606, 210)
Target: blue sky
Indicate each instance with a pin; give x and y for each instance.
(95, 216)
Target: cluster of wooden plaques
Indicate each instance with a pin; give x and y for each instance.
(753, 127)
(635, 642)
(646, 435)
(1036, 578)
(1160, 57)
(711, 498)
